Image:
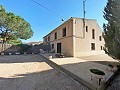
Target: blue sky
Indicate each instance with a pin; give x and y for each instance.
(43, 21)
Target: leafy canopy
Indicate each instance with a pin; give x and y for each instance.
(13, 27)
(112, 28)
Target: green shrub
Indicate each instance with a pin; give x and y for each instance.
(118, 66)
(96, 71)
(110, 65)
(24, 47)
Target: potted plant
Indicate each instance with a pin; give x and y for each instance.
(17, 53)
(110, 67)
(50, 56)
(25, 52)
(10, 53)
(2, 53)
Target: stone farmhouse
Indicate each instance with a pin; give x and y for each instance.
(76, 38)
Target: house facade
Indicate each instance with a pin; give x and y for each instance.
(71, 39)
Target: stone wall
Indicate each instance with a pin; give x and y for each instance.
(4, 47)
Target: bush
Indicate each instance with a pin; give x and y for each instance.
(111, 66)
(96, 71)
(24, 47)
(118, 66)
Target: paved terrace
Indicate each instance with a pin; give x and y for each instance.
(78, 68)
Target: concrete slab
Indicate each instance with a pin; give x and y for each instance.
(80, 70)
(102, 59)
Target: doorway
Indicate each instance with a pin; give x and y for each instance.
(58, 47)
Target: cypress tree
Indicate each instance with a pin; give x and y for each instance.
(112, 28)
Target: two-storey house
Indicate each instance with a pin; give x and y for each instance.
(72, 39)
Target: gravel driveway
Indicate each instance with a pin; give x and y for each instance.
(31, 72)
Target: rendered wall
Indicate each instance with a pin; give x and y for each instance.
(66, 42)
(74, 43)
(83, 42)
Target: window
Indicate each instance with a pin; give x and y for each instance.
(52, 46)
(56, 35)
(93, 33)
(86, 28)
(101, 47)
(92, 46)
(48, 38)
(64, 32)
(100, 38)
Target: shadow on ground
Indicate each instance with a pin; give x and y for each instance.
(43, 77)
(45, 80)
(38, 77)
(20, 58)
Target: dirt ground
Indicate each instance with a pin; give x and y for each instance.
(31, 72)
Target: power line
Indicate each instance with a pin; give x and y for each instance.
(48, 9)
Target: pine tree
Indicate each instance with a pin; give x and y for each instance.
(13, 27)
(112, 28)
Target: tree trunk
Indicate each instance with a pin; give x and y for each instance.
(3, 45)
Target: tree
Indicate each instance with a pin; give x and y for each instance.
(112, 28)
(13, 27)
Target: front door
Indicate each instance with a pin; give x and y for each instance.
(58, 47)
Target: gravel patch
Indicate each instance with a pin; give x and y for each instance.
(32, 72)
